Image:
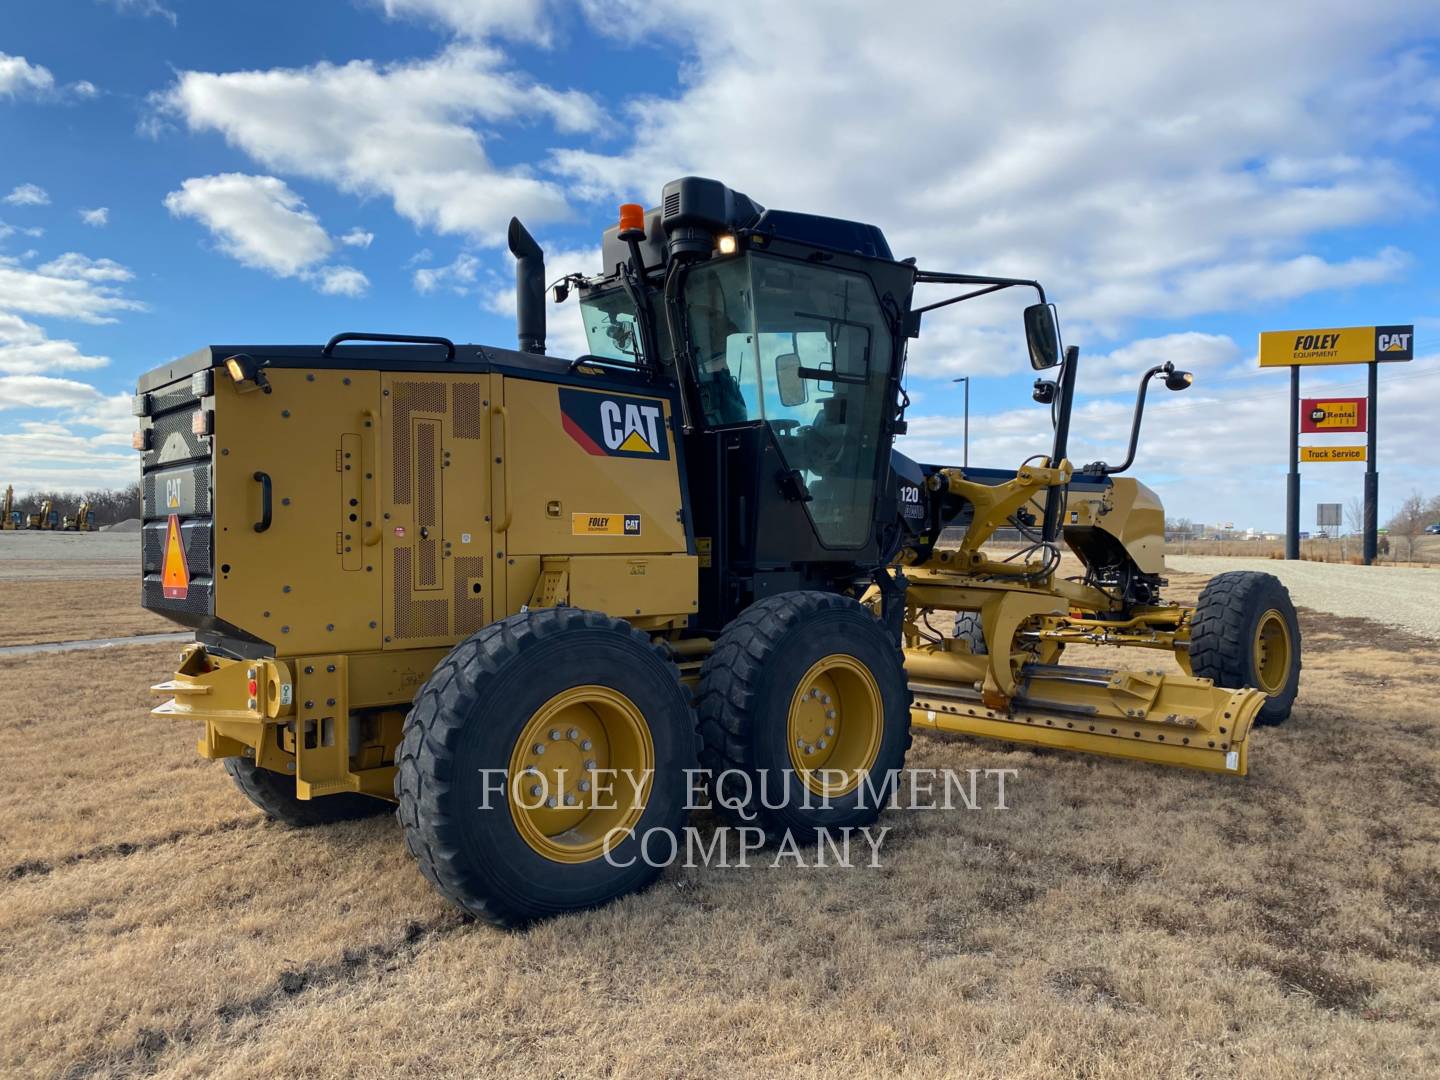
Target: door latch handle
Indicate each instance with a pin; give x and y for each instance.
(264, 522)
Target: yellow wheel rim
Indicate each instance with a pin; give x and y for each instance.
(1272, 652)
(836, 720)
(571, 793)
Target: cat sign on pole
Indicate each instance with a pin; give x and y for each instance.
(1370, 345)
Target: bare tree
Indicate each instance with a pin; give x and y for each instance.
(1409, 521)
(1355, 515)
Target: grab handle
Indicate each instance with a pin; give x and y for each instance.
(402, 339)
(501, 417)
(264, 522)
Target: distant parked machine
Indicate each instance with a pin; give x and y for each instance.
(47, 519)
(83, 521)
(1433, 530)
(9, 516)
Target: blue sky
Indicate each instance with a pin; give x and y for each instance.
(276, 172)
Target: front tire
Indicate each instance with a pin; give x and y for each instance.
(505, 783)
(1246, 633)
(805, 714)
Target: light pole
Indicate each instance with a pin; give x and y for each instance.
(965, 463)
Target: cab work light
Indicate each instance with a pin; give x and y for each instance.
(246, 373)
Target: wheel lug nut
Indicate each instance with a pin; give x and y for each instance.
(539, 748)
(584, 785)
(829, 714)
(821, 744)
(824, 699)
(554, 735)
(590, 765)
(569, 800)
(585, 745)
(572, 734)
(829, 731)
(550, 802)
(535, 791)
(800, 743)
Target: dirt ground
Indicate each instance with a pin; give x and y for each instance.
(46, 609)
(1118, 920)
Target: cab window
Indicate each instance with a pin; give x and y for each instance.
(806, 349)
(611, 331)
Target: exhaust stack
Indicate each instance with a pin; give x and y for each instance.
(529, 288)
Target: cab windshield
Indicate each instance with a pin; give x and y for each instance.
(610, 327)
(806, 349)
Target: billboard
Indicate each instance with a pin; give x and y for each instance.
(1336, 345)
(1327, 515)
(1332, 414)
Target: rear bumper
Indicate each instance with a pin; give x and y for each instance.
(289, 716)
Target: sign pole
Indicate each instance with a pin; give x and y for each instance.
(1292, 482)
(1372, 478)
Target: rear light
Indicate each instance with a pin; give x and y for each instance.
(141, 439)
(140, 405)
(201, 383)
(203, 422)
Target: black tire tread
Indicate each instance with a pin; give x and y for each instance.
(1219, 636)
(728, 687)
(274, 794)
(425, 763)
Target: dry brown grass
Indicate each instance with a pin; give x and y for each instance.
(40, 610)
(1119, 921)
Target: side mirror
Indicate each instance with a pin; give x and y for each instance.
(789, 380)
(1042, 334)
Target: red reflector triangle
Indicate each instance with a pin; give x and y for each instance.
(174, 571)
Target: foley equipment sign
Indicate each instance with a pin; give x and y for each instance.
(1345, 345)
(1332, 414)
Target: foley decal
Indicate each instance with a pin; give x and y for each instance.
(605, 524)
(615, 425)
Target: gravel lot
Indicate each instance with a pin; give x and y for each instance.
(1405, 597)
(50, 555)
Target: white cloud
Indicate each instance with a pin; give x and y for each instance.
(71, 287)
(44, 392)
(257, 220)
(261, 223)
(357, 238)
(98, 217)
(1149, 159)
(404, 131)
(458, 277)
(84, 89)
(524, 19)
(341, 281)
(26, 350)
(145, 9)
(28, 195)
(20, 78)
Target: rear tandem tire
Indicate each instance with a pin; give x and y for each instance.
(1246, 633)
(764, 703)
(274, 793)
(590, 693)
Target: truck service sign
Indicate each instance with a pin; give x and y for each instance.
(1332, 453)
(1342, 345)
(1332, 414)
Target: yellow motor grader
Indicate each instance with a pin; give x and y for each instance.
(529, 598)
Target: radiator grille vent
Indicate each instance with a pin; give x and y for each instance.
(469, 594)
(466, 421)
(416, 618)
(407, 398)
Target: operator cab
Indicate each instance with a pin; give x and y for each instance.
(781, 335)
